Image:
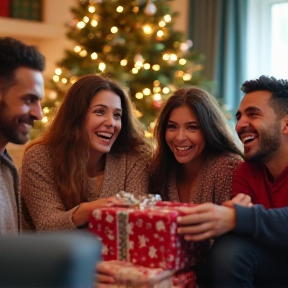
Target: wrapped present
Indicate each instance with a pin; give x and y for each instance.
(184, 279)
(146, 237)
(128, 275)
(173, 204)
(4, 8)
(26, 9)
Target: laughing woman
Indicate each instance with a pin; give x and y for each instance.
(93, 149)
(195, 157)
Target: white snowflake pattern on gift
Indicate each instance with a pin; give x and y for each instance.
(130, 228)
(142, 241)
(131, 245)
(104, 250)
(139, 223)
(173, 228)
(160, 226)
(152, 252)
(109, 218)
(110, 234)
(171, 258)
(97, 214)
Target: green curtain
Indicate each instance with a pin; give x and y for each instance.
(218, 29)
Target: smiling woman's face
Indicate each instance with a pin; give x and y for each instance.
(103, 121)
(184, 135)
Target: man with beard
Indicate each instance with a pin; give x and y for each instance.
(21, 89)
(251, 248)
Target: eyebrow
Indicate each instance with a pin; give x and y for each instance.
(247, 110)
(191, 122)
(104, 106)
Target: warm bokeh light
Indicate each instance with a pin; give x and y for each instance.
(58, 71)
(91, 9)
(147, 29)
(77, 49)
(83, 53)
(114, 29)
(81, 24)
(156, 67)
(102, 66)
(182, 61)
(146, 66)
(94, 23)
(146, 91)
(119, 9)
(123, 62)
(94, 56)
(167, 18)
(139, 95)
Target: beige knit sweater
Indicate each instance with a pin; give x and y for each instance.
(214, 183)
(42, 208)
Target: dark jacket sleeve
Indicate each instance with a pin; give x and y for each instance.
(265, 226)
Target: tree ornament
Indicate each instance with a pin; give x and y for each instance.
(138, 58)
(150, 8)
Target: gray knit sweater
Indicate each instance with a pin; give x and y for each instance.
(9, 196)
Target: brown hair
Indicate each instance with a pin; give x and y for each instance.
(212, 123)
(69, 143)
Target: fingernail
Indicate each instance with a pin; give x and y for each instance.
(179, 219)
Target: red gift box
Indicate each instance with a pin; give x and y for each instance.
(4, 8)
(146, 237)
(184, 279)
(174, 204)
(134, 276)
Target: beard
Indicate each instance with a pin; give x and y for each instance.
(10, 126)
(270, 142)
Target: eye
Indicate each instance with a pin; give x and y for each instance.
(99, 112)
(193, 127)
(29, 100)
(117, 115)
(171, 126)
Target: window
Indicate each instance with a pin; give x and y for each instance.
(267, 43)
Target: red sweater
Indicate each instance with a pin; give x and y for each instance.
(255, 180)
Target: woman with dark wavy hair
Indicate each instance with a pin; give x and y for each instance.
(94, 148)
(195, 155)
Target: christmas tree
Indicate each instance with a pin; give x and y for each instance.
(134, 43)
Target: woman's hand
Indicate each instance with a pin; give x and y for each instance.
(81, 215)
(239, 199)
(104, 275)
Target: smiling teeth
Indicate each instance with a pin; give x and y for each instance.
(104, 135)
(183, 148)
(244, 139)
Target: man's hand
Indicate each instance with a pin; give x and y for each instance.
(206, 221)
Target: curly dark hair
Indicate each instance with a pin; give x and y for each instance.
(15, 54)
(278, 88)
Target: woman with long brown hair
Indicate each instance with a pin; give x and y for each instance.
(94, 148)
(195, 155)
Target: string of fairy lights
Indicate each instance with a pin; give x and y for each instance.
(155, 91)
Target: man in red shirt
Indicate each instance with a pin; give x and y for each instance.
(251, 248)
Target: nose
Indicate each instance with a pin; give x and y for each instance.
(181, 135)
(36, 111)
(110, 120)
(241, 124)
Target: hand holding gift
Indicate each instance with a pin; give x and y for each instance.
(206, 221)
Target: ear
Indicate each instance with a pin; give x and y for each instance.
(285, 125)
